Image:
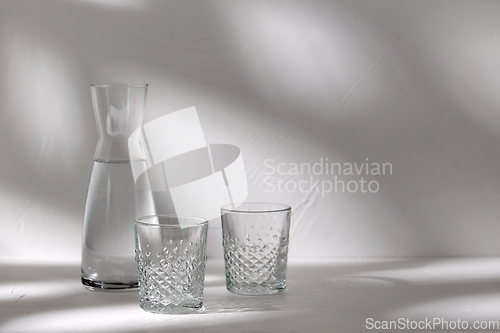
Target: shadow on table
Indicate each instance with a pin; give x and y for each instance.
(38, 289)
(339, 294)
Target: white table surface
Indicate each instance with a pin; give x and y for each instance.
(321, 296)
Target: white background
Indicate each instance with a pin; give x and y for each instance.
(412, 83)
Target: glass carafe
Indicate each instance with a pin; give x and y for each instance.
(113, 200)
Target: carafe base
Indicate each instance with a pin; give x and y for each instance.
(112, 286)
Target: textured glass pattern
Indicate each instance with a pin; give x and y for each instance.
(171, 268)
(255, 251)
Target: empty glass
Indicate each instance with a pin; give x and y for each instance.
(255, 240)
(171, 257)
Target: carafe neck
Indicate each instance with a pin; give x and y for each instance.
(119, 110)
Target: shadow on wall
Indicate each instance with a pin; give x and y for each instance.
(348, 79)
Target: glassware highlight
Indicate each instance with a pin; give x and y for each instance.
(255, 238)
(171, 257)
(113, 200)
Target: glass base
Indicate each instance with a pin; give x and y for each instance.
(254, 289)
(171, 309)
(109, 286)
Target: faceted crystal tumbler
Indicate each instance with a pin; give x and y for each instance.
(255, 240)
(171, 256)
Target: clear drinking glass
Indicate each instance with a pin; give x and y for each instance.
(113, 200)
(171, 256)
(255, 241)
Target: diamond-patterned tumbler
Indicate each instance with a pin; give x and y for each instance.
(255, 241)
(171, 256)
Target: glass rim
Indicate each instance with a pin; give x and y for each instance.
(117, 85)
(201, 221)
(274, 208)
